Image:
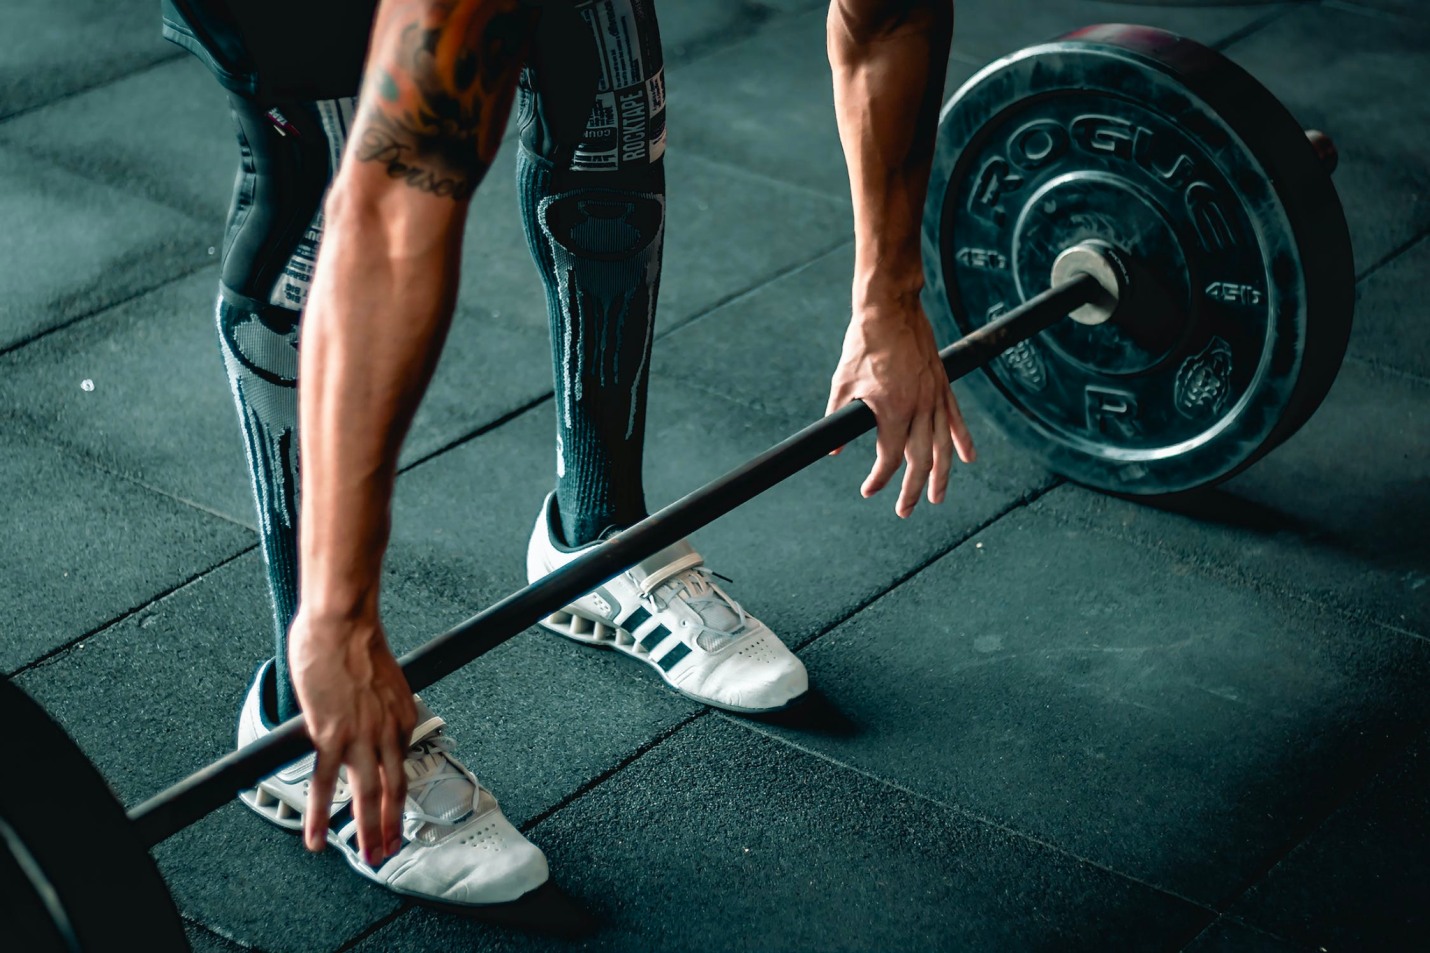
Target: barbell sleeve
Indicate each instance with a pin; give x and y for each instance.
(208, 789)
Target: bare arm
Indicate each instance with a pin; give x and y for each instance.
(888, 59)
(439, 83)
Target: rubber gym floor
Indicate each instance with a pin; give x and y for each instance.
(1045, 719)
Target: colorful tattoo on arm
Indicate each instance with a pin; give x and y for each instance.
(440, 79)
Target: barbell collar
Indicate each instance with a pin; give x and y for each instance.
(208, 789)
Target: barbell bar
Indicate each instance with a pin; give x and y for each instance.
(208, 789)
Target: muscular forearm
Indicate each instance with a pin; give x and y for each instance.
(439, 83)
(889, 59)
(371, 336)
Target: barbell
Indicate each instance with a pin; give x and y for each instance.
(1141, 250)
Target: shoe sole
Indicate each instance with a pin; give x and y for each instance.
(272, 808)
(603, 635)
(278, 811)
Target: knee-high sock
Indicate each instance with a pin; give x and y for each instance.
(598, 251)
(260, 353)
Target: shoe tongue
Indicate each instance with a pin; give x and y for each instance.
(717, 615)
(447, 799)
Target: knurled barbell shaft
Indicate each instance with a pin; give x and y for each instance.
(208, 789)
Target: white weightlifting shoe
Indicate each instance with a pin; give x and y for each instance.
(668, 612)
(458, 849)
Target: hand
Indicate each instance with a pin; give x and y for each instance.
(891, 363)
(359, 713)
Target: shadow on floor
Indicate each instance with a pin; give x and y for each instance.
(816, 715)
(546, 910)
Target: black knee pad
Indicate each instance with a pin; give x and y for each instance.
(285, 163)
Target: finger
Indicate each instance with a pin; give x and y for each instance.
(918, 452)
(962, 439)
(942, 453)
(836, 400)
(889, 454)
(320, 800)
(366, 782)
(394, 789)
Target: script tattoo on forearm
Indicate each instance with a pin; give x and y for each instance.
(439, 85)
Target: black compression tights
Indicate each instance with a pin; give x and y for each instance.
(594, 213)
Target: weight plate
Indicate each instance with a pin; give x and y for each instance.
(76, 876)
(1180, 160)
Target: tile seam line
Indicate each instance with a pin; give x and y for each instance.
(1287, 846)
(602, 777)
(404, 907)
(59, 161)
(1249, 927)
(760, 175)
(1023, 501)
(1380, 367)
(1351, 6)
(99, 467)
(168, 57)
(1255, 26)
(99, 630)
(785, 272)
(520, 411)
(646, 747)
(198, 924)
(1246, 582)
(1390, 256)
(967, 814)
(104, 308)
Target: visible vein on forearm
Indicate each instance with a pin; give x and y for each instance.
(439, 84)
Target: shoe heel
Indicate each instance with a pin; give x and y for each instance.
(272, 808)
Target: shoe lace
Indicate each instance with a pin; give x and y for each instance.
(431, 764)
(702, 593)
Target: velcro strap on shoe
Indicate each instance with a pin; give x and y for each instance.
(671, 561)
(428, 724)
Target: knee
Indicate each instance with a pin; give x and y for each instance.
(604, 224)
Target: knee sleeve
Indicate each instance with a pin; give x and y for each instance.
(287, 155)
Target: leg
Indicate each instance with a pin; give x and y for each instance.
(269, 249)
(593, 202)
(594, 213)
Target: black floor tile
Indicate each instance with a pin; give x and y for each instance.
(51, 48)
(1358, 882)
(1228, 936)
(1337, 513)
(720, 839)
(71, 246)
(83, 547)
(163, 134)
(1113, 701)
(1391, 326)
(1360, 78)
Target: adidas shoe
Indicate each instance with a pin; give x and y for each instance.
(669, 612)
(458, 849)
